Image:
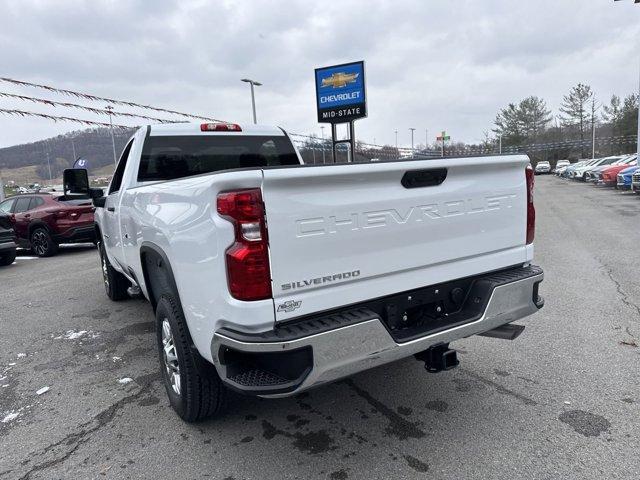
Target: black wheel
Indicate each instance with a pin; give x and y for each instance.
(115, 283)
(7, 258)
(195, 391)
(42, 244)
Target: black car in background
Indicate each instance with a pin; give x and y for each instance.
(7, 240)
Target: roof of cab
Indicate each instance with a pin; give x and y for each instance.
(170, 129)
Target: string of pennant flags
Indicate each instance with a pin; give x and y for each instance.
(59, 118)
(87, 96)
(97, 111)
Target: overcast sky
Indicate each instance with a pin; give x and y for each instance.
(437, 64)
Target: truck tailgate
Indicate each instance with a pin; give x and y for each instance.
(343, 234)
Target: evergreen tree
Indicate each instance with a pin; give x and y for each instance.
(533, 117)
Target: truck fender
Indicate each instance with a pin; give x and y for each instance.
(159, 279)
(158, 274)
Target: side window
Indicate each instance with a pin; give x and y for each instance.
(116, 181)
(35, 202)
(22, 204)
(6, 205)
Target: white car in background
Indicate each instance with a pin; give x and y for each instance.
(561, 166)
(542, 167)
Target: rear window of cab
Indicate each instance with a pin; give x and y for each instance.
(172, 157)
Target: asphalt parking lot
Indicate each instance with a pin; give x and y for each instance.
(562, 401)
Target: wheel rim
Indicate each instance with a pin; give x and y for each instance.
(105, 273)
(171, 365)
(39, 242)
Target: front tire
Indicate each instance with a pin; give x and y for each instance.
(115, 283)
(7, 258)
(41, 243)
(195, 391)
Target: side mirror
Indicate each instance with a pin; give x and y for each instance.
(97, 195)
(75, 181)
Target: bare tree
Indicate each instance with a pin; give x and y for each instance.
(575, 108)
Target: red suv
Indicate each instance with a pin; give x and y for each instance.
(42, 221)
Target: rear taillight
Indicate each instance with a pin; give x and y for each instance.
(531, 210)
(248, 271)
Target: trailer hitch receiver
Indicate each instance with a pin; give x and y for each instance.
(438, 357)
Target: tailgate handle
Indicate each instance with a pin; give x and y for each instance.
(424, 178)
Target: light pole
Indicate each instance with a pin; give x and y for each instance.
(46, 149)
(73, 147)
(253, 83)
(638, 138)
(593, 126)
(426, 138)
(322, 130)
(396, 140)
(412, 130)
(500, 143)
(109, 108)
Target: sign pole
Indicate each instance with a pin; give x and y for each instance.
(333, 143)
(352, 139)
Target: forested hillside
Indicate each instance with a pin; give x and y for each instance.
(92, 144)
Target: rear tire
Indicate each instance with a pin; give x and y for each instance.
(115, 283)
(7, 258)
(41, 243)
(195, 391)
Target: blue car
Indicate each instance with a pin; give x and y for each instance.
(624, 177)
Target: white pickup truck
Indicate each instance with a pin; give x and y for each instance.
(269, 277)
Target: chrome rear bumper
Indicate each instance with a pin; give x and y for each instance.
(344, 351)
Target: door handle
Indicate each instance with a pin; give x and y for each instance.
(424, 178)
(111, 209)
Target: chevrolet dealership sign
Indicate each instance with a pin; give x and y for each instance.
(340, 93)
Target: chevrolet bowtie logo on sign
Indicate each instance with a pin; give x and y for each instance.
(340, 93)
(339, 80)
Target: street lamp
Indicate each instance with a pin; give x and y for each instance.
(412, 130)
(638, 138)
(396, 139)
(109, 108)
(253, 97)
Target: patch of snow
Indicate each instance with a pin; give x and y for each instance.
(74, 335)
(10, 416)
(125, 380)
(116, 359)
(42, 390)
(12, 364)
(20, 355)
